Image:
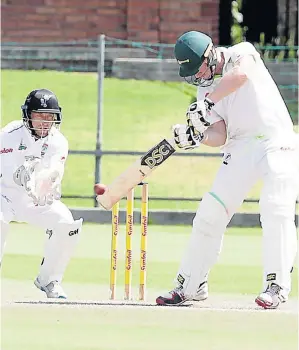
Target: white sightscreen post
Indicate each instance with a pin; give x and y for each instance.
(101, 74)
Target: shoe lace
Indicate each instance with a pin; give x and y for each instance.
(178, 290)
(273, 289)
(55, 285)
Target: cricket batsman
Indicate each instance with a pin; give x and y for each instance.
(33, 154)
(243, 111)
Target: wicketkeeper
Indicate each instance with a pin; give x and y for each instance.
(33, 154)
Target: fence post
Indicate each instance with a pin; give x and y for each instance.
(101, 73)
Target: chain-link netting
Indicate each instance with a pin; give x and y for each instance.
(143, 97)
(137, 60)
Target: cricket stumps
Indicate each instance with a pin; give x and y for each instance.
(129, 249)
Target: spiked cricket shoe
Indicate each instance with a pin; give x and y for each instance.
(175, 297)
(52, 290)
(202, 292)
(271, 297)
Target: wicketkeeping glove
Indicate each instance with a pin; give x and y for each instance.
(41, 200)
(41, 184)
(47, 187)
(185, 136)
(23, 175)
(197, 114)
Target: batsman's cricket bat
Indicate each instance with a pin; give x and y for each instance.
(136, 173)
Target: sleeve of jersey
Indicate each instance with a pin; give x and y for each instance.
(247, 57)
(12, 125)
(8, 157)
(213, 116)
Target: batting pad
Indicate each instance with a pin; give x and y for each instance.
(205, 243)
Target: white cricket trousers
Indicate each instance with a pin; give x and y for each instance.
(56, 219)
(244, 163)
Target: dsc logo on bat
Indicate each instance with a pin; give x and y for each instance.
(158, 154)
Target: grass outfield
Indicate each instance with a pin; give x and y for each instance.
(137, 114)
(238, 271)
(228, 320)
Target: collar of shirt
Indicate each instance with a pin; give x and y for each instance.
(227, 58)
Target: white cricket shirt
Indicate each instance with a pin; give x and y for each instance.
(17, 145)
(257, 108)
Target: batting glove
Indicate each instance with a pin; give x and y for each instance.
(185, 137)
(197, 114)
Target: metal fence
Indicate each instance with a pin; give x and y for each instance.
(126, 59)
(164, 51)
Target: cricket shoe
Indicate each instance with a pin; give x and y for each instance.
(271, 297)
(202, 292)
(175, 297)
(53, 289)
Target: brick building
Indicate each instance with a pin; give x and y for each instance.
(138, 20)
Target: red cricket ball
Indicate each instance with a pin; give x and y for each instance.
(99, 189)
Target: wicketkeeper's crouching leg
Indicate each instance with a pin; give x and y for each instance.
(4, 232)
(62, 236)
(59, 247)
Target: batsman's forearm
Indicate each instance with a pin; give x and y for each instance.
(229, 83)
(215, 135)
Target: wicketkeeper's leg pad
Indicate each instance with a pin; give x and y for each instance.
(6, 215)
(4, 232)
(59, 247)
